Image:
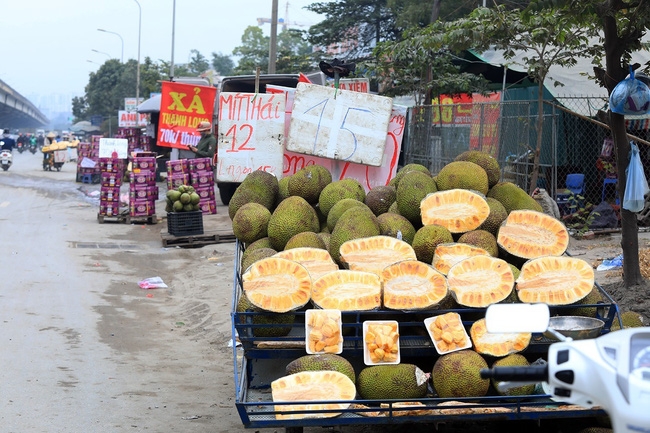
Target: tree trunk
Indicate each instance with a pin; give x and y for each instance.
(629, 230)
(538, 148)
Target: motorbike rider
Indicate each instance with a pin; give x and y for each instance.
(48, 156)
(8, 142)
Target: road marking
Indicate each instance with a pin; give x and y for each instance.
(4, 204)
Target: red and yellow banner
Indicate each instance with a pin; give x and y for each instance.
(182, 108)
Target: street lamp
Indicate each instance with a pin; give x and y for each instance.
(101, 52)
(121, 40)
(137, 79)
(90, 61)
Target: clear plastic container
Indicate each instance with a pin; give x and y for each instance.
(456, 332)
(323, 331)
(381, 342)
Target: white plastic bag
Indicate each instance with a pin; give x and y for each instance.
(152, 283)
(636, 186)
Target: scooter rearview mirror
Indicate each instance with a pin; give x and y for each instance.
(513, 318)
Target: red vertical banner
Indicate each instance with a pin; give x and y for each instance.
(484, 133)
(182, 108)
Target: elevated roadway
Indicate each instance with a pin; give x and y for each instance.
(17, 112)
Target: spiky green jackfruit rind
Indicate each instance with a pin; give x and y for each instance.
(402, 171)
(398, 381)
(512, 197)
(486, 161)
(380, 198)
(309, 182)
(395, 225)
(513, 360)
(283, 189)
(426, 240)
(482, 239)
(305, 239)
(630, 319)
(323, 361)
(463, 175)
(292, 216)
(594, 297)
(255, 255)
(338, 190)
(412, 188)
(339, 208)
(457, 374)
(260, 187)
(250, 222)
(282, 321)
(260, 243)
(498, 215)
(356, 222)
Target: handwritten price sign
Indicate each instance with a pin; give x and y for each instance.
(349, 127)
(251, 134)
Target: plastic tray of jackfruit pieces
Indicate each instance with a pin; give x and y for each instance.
(381, 342)
(447, 333)
(323, 331)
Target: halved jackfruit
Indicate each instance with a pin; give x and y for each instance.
(480, 281)
(555, 280)
(277, 285)
(317, 260)
(529, 234)
(347, 290)
(447, 255)
(412, 285)
(501, 344)
(459, 210)
(316, 386)
(374, 253)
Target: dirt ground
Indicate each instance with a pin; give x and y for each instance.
(608, 246)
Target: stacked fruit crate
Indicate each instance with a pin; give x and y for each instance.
(143, 191)
(202, 179)
(111, 173)
(178, 173)
(87, 160)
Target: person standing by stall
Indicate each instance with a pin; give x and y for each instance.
(207, 145)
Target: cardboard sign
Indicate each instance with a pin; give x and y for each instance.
(132, 119)
(339, 124)
(113, 148)
(355, 84)
(369, 177)
(182, 108)
(251, 134)
(131, 104)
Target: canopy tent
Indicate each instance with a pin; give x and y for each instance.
(151, 105)
(84, 126)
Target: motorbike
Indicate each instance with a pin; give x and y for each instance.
(20, 147)
(33, 148)
(6, 158)
(611, 371)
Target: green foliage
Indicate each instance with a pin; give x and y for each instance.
(581, 214)
(222, 63)
(198, 63)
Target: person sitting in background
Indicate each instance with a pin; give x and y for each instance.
(207, 145)
(8, 143)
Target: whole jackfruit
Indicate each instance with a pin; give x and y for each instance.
(309, 182)
(398, 381)
(463, 175)
(338, 190)
(255, 255)
(282, 322)
(482, 239)
(250, 222)
(412, 188)
(512, 197)
(498, 214)
(292, 216)
(395, 225)
(305, 239)
(513, 360)
(380, 198)
(426, 240)
(322, 361)
(630, 319)
(339, 208)
(457, 374)
(408, 167)
(260, 187)
(486, 161)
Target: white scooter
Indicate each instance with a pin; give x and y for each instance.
(611, 371)
(6, 158)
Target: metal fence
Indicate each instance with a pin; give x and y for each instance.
(571, 142)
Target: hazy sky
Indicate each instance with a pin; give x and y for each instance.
(47, 44)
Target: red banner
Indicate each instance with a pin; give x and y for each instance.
(182, 108)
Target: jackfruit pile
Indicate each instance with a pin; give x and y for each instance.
(182, 199)
(421, 244)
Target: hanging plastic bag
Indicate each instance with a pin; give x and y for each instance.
(636, 186)
(631, 96)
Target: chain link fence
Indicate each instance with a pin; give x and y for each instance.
(572, 141)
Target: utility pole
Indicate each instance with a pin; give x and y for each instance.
(273, 48)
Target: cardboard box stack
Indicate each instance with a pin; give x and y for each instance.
(88, 158)
(143, 191)
(202, 179)
(138, 142)
(111, 173)
(178, 173)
